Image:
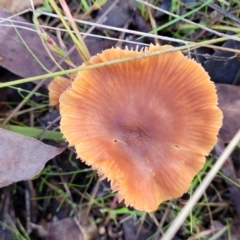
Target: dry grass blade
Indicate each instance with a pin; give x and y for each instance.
(223, 12)
(188, 21)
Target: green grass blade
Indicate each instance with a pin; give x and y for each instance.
(35, 132)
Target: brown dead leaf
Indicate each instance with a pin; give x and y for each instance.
(22, 157)
(229, 102)
(227, 70)
(15, 56)
(16, 6)
(64, 229)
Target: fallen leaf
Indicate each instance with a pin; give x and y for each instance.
(119, 14)
(128, 228)
(22, 157)
(16, 58)
(229, 103)
(16, 6)
(224, 67)
(165, 5)
(64, 229)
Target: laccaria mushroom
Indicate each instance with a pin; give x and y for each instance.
(57, 87)
(146, 125)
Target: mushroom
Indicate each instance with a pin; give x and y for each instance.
(57, 86)
(146, 125)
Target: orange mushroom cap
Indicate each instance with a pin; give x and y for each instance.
(57, 86)
(145, 124)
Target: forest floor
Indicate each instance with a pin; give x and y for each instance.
(66, 199)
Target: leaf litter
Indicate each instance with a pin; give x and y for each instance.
(228, 101)
(21, 157)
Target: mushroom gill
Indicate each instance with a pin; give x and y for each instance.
(146, 125)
